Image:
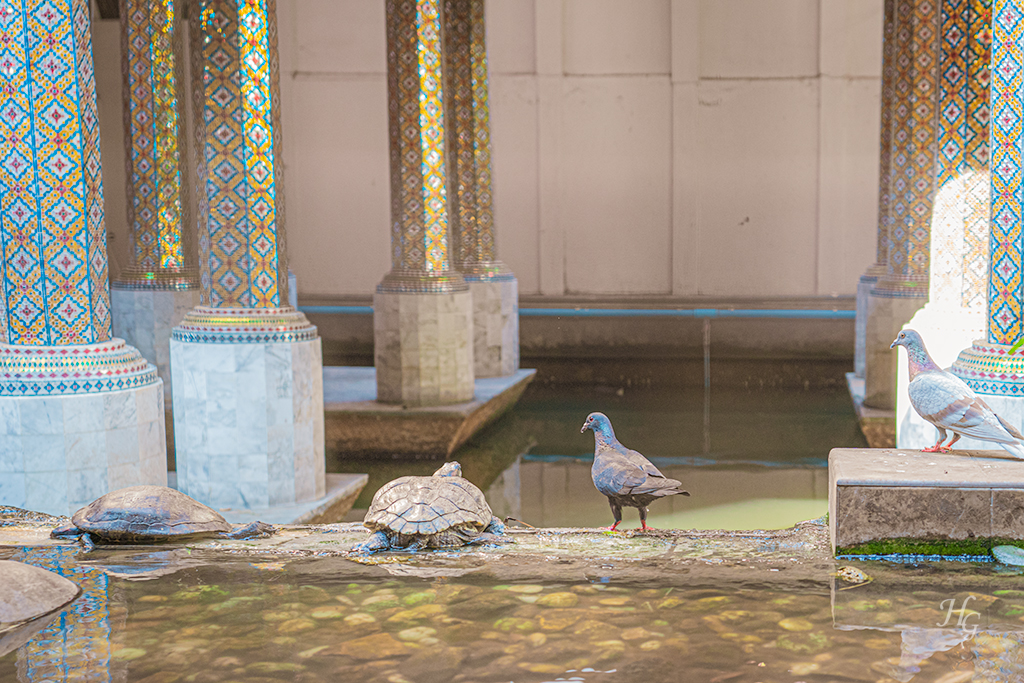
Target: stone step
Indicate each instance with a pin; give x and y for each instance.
(893, 494)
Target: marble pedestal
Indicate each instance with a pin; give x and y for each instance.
(886, 317)
(103, 431)
(495, 326)
(145, 317)
(864, 285)
(946, 331)
(248, 417)
(423, 347)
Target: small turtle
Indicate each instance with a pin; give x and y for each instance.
(439, 511)
(146, 514)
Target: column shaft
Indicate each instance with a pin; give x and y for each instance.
(988, 366)
(80, 412)
(958, 274)
(160, 285)
(422, 309)
(885, 149)
(494, 288)
(903, 289)
(246, 367)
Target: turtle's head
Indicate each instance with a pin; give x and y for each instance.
(449, 469)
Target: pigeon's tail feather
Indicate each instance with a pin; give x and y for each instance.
(666, 487)
(1014, 432)
(1016, 449)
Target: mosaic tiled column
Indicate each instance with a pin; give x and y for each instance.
(870, 277)
(246, 368)
(987, 365)
(422, 310)
(955, 314)
(903, 289)
(494, 288)
(81, 413)
(160, 285)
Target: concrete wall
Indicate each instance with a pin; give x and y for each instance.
(641, 147)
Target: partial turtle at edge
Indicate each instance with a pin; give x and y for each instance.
(440, 511)
(150, 514)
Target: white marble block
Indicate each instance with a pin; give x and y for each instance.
(249, 422)
(423, 347)
(145, 317)
(495, 326)
(886, 317)
(59, 453)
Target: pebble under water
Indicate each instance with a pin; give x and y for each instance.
(267, 621)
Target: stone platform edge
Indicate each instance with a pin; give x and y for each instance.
(902, 500)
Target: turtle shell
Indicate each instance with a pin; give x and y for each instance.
(428, 505)
(147, 513)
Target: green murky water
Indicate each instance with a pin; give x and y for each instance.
(756, 458)
(326, 621)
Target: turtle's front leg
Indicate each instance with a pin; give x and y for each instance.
(495, 527)
(377, 541)
(253, 530)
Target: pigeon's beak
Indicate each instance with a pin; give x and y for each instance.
(895, 343)
(584, 427)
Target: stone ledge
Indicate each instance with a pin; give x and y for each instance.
(357, 425)
(886, 494)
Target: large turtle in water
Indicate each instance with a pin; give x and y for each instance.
(439, 511)
(147, 514)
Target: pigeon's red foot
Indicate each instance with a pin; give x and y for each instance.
(935, 449)
(644, 527)
(610, 528)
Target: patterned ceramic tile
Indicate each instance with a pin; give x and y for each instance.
(150, 41)
(51, 205)
(959, 235)
(241, 216)
(914, 136)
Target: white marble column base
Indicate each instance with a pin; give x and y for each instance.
(946, 332)
(860, 328)
(249, 422)
(495, 326)
(886, 317)
(145, 317)
(59, 453)
(423, 347)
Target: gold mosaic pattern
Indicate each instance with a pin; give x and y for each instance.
(912, 175)
(885, 134)
(244, 326)
(468, 117)
(241, 218)
(416, 128)
(150, 40)
(959, 235)
(51, 196)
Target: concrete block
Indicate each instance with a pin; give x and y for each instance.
(605, 37)
(880, 494)
(851, 38)
(758, 38)
(758, 159)
(847, 181)
(341, 246)
(511, 44)
(612, 188)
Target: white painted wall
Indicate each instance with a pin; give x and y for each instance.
(640, 147)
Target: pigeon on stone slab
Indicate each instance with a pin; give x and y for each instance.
(626, 477)
(944, 399)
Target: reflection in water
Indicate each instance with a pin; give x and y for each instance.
(319, 621)
(756, 459)
(76, 646)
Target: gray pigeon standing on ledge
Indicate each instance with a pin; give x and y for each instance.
(944, 399)
(625, 476)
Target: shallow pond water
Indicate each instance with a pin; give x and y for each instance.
(267, 621)
(750, 457)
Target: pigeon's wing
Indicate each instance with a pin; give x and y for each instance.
(643, 463)
(617, 475)
(944, 400)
